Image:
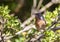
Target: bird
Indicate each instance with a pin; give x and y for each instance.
(40, 22)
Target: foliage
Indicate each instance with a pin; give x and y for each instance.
(51, 36)
(12, 25)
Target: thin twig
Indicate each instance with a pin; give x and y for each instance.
(39, 4)
(33, 7)
(34, 3)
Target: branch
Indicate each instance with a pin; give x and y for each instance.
(32, 17)
(56, 28)
(41, 10)
(55, 1)
(25, 29)
(46, 6)
(32, 12)
(34, 3)
(42, 35)
(2, 23)
(39, 4)
(33, 7)
(49, 28)
(27, 21)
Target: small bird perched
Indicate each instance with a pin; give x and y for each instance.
(40, 21)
